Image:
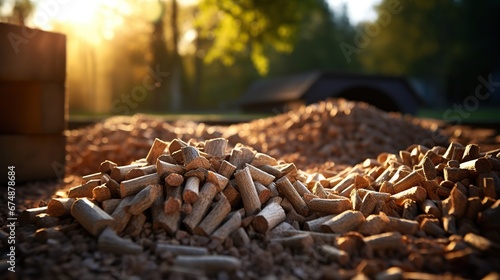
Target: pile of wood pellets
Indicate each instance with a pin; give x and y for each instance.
(324, 137)
(334, 190)
(201, 210)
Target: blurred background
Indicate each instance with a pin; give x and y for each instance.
(201, 56)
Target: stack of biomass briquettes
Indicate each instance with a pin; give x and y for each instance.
(205, 209)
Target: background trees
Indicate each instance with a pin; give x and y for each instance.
(212, 50)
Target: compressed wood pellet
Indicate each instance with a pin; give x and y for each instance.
(344, 222)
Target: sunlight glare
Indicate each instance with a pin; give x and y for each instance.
(79, 12)
(186, 42)
(357, 10)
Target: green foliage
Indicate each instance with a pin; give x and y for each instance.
(447, 43)
(250, 25)
(21, 10)
(317, 46)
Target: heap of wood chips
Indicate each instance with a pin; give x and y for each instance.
(204, 210)
(324, 137)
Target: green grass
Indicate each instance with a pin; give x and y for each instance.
(482, 115)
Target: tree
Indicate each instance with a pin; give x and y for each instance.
(316, 48)
(21, 10)
(250, 25)
(446, 43)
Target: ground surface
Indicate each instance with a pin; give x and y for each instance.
(75, 255)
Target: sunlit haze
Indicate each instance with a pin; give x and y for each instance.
(357, 10)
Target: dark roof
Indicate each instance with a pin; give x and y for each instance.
(279, 89)
(294, 87)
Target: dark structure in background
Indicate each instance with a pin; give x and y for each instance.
(386, 93)
(33, 106)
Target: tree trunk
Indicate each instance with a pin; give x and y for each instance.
(160, 59)
(175, 83)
